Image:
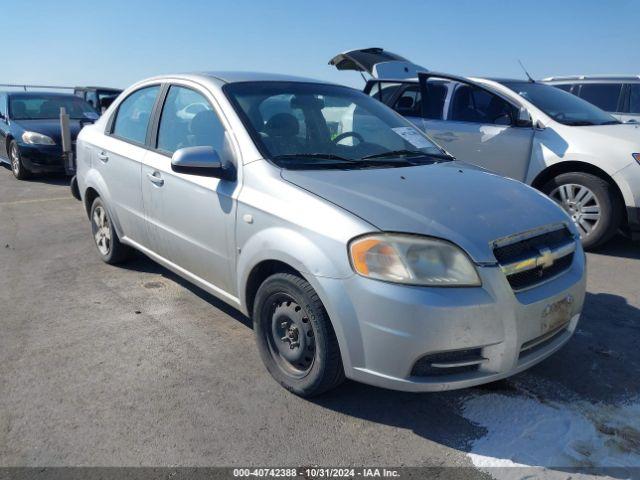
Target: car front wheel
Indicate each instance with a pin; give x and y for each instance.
(592, 204)
(295, 337)
(17, 167)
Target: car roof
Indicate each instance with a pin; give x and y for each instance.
(109, 89)
(236, 77)
(592, 78)
(31, 93)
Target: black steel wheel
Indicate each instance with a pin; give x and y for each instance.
(295, 336)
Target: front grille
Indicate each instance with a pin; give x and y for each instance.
(522, 280)
(448, 363)
(523, 261)
(515, 251)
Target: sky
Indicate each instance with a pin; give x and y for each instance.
(118, 42)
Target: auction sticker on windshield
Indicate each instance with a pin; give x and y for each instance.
(413, 136)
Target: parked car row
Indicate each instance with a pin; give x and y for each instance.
(401, 249)
(30, 132)
(579, 155)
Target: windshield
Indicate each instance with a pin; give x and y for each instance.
(562, 106)
(309, 125)
(41, 107)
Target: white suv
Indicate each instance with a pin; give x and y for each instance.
(576, 153)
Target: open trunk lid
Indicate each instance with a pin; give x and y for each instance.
(379, 63)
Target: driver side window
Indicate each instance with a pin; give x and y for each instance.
(475, 105)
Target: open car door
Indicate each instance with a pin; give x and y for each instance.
(476, 124)
(377, 62)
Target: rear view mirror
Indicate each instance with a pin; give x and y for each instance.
(203, 161)
(524, 118)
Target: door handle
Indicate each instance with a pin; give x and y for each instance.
(103, 157)
(155, 178)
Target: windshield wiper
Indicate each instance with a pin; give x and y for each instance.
(579, 123)
(323, 156)
(407, 153)
(394, 153)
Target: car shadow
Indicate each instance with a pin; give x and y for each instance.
(48, 178)
(620, 246)
(595, 367)
(142, 263)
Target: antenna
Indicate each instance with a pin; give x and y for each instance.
(526, 73)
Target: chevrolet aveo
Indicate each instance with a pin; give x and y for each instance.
(359, 247)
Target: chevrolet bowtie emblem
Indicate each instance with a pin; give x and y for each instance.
(545, 260)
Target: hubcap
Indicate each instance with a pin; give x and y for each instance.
(581, 203)
(291, 340)
(15, 159)
(101, 230)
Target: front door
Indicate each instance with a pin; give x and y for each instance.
(190, 217)
(479, 128)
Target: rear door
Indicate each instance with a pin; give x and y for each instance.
(479, 127)
(190, 217)
(119, 161)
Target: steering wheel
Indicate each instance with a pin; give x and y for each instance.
(344, 135)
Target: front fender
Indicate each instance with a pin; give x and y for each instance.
(296, 250)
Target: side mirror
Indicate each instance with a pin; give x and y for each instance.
(524, 118)
(203, 161)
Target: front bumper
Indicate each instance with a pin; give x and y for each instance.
(387, 328)
(628, 180)
(42, 158)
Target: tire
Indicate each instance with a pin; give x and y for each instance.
(17, 167)
(287, 311)
(591, 202)
(105, 237)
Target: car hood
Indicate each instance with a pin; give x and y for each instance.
(455, 201)
(622, 132)
(51, 127)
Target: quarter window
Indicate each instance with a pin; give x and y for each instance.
(602, 95)
(188, 120)
(132, 118)
(470, 104)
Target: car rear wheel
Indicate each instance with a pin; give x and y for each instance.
(105, 237)
(17, 167)
(295, 337)
(591, 203)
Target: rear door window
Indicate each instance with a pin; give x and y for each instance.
(132, 117)
(602, 95)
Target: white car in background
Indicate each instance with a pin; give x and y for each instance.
(576, 153)
(617, 94)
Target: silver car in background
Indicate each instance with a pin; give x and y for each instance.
(358, 246)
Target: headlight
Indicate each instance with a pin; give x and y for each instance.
(412, 260)
(636, 156)
(34, 138)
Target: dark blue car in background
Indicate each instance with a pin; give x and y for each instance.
(30, 133)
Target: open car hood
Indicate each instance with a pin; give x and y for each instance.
(379, 63)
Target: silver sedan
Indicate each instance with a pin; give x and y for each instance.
(358, 246)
